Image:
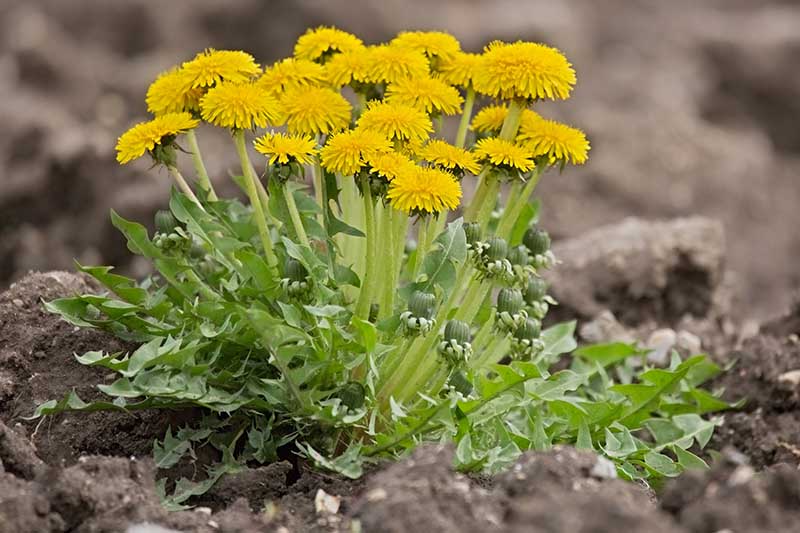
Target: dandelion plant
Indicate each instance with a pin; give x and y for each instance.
(376, 284)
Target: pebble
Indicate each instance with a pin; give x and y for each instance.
(791, 377)
(661, 343)
(604, 469)
(326, 503)
(17, 302)
(147, 527)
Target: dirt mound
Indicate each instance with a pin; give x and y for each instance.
(92, 473)
(640, 271)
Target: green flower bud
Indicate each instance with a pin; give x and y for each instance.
(422, 304)
(509, 301)
(457, 331)
(536, 290)
(294, 270)
(537, 241)
(528, 331)
(519, 256)
(473, 231)
(165, 222)
(352, 395)
(460, 383)
(455, 346)
(498, 249)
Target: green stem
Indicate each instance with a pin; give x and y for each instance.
(200, 167)
(367, 284)
(484, 200)
(252, 192)
(493, 353)
(469, 103)
(479, 197)
(490, 201)
(423, 243)
(183, 186)
(482, 337)
(297, 222)
(400, 230)
(388, 257)
(516, 201)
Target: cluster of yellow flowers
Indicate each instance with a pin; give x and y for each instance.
(373, 110)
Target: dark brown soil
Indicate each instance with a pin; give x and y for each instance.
(691, 109)
(92, 473)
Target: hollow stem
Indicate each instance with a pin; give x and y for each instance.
(182, 185)
(423, 243)
(367, 284)
(297, 222)
(200, 167)
(516, 201)
(469, 103)
(252, 193)
(389, 286)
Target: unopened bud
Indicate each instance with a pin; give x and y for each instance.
(497, 250)
(519, 256)
(537, 241)
(165, 222)
(536, 290)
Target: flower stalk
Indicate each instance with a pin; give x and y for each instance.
(200, 166)
(251, 181)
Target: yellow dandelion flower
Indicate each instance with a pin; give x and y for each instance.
(424, 190)
(489, 119)
(430, 94)
(458, 69)
(145, 136)
(558, 141)
(348, 151)
(389, 164)
(387, 64)
(213, 66)
(347, 67)
(502, 153)
(312, 110)
(434, 44)
(291, 73)
(320, 42)
(172, 92)
(396, 121)
(524, 70)
(445, 155)
(284, 149)
(239, 106)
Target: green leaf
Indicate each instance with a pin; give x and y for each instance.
(168, 452)
(138, 241)
(607, 354)
(348, 464)
(448, 248)
(367, 333)
(688, 460)
(529, 213)
(662, 464)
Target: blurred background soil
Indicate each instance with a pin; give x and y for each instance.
(691, 108)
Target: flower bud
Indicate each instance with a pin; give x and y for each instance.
(528, 331)
(165, 222)
(455, 346)
(352, 395)
(473, 232)
(536, 290)
(460, 383)
(497, 250)
(519, 256)
(458, 331)
(422, 304)
(295, 270)
(537, 241)
(509, 301)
